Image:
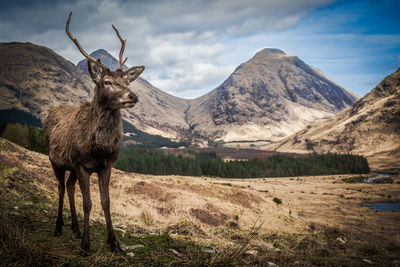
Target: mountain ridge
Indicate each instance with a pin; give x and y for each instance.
(263, 95)
(253, 99)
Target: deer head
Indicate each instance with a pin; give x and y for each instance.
(112, 90)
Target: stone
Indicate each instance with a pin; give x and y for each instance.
(341, 240)
(132, 247)
(120, 229)
(210, 250)
(251, 252)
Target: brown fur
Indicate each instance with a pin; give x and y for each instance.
(85, 139)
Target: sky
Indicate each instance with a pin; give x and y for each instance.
(191, 47)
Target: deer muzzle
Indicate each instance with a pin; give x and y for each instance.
(129, 100)
(133, 98)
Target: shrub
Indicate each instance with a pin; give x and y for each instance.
(277, 200)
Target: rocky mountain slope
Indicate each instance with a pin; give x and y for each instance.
(33, 78)
(269, 97)
(370, 127)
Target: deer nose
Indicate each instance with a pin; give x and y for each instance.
(134, 98)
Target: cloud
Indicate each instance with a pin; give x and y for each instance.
(182, 43)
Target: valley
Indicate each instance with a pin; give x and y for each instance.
(202, 220)
(272, 102)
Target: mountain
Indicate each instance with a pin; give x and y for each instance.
(34, 78)
(370, 127)
(111, 62)
(268, 97)
(262, 99)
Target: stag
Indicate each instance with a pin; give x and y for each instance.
(85, 139)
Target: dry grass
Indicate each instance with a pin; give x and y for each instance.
(178, 217)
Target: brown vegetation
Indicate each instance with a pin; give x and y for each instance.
(314, 213)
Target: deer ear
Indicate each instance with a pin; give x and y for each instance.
(94, 71)
(133, 73)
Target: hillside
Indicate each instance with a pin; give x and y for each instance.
(370, 127)
(33, 78)
(268, 97)
(164, 220)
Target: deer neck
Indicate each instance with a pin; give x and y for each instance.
(107, 127)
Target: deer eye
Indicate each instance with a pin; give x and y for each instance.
(107, 83)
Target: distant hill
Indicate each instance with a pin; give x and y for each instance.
(370, 127)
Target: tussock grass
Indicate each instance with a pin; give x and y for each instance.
(16, 249)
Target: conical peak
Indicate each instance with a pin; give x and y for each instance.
(270, 51)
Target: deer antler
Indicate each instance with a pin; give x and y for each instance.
(98, 62)
(121, 52)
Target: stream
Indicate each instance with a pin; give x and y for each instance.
(382, 178)
(385, 206)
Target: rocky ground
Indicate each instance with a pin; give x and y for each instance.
(175, 220)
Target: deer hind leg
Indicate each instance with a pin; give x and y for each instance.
(71, 196)
(104, 182)
(60, 174)
(84, 184)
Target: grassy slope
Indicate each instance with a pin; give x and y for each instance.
(26, 232)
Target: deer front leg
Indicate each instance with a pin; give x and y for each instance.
(59, 172)
(104, 181)
(84, 184)
(71, 196)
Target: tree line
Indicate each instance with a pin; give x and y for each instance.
(22, 128)
(26, 136)
(207, 163)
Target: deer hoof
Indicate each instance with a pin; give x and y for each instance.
(77, 233)
(57, 233)
(117, 249)
(84, 253)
